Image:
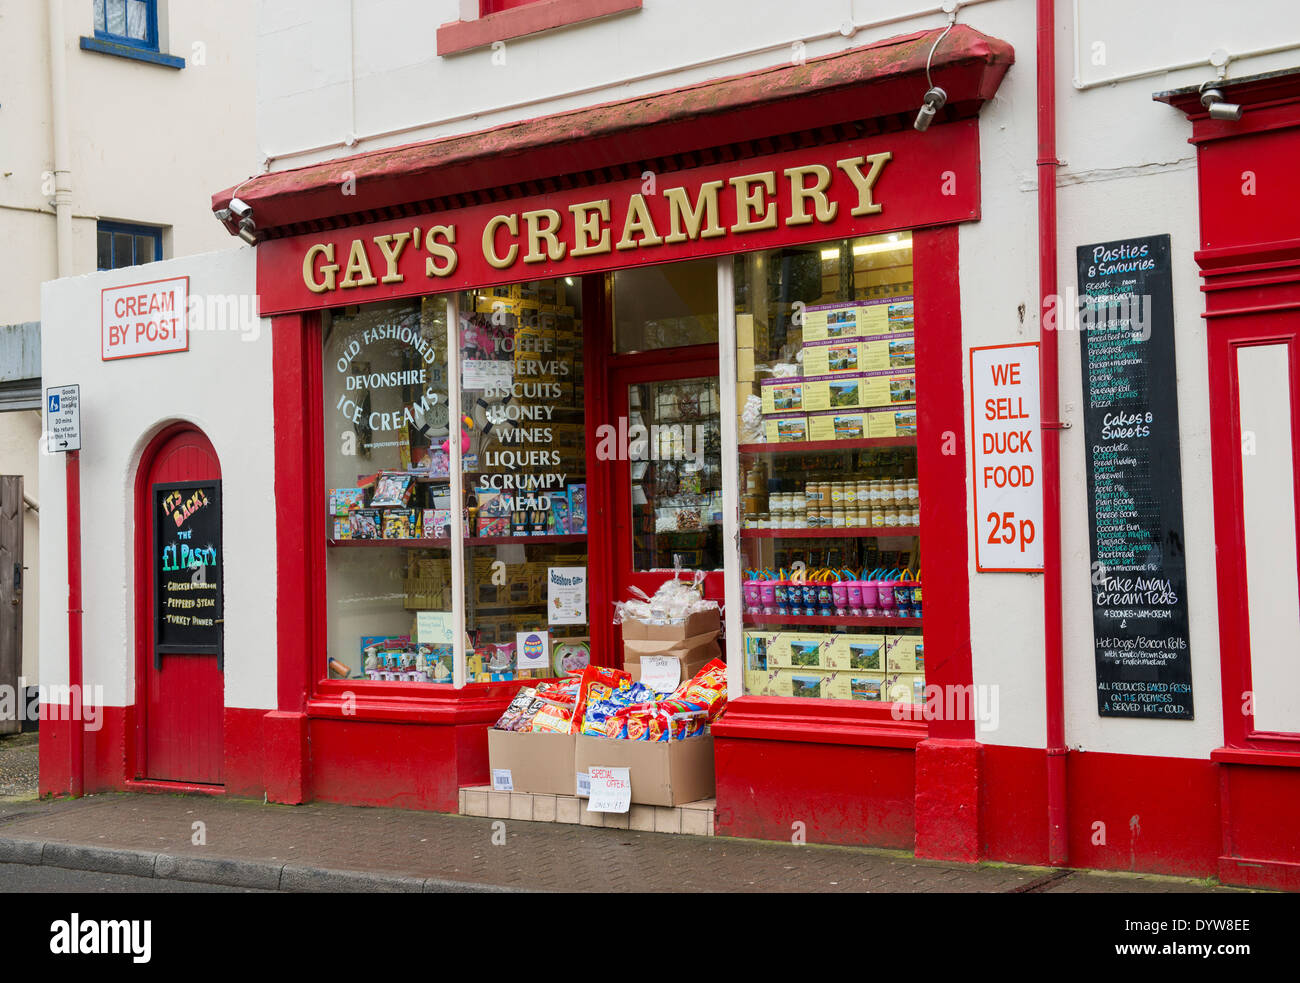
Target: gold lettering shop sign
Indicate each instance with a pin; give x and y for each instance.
(857, 188)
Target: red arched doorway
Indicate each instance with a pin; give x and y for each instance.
(179, 610)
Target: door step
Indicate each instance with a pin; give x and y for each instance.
(694, 818)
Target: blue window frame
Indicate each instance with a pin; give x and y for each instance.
(119, 244)
(131, 22)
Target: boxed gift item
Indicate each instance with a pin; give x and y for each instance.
(785, 429)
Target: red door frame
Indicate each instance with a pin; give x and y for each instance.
(137, 751)
(1252, 296)
(625, 370)
(1227, 338)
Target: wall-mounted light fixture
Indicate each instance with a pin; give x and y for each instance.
(1217, 106)
(935, 98)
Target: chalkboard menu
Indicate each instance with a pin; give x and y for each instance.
(188, 601)
(1135, 499)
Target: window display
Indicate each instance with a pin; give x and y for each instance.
(524, 481)
(676, 474)
(386, 469)
(829, 493)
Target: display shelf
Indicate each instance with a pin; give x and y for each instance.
(878, 620)
(868, 532)
(443, 541)
(817, 446)
(507, 540)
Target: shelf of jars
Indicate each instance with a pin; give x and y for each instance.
(869, 532)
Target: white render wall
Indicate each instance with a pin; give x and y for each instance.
(148, 144)
(1127, 170)
(223, 385)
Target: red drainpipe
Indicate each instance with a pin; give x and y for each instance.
(1053, 657)
(76, 701)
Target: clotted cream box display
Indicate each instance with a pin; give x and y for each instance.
(857, 424)
(786, 428)
(782, 397)
(806, 650)
(833, 684)
(904, 687)
(863, 652)
(879, 354)
(862, 319)
(904, 653)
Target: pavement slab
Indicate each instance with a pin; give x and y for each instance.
(327, 847)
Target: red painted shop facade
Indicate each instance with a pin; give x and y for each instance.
(805, 174)
(747, 165)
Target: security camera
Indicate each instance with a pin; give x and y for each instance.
(1218, 107)
(934, 101)
(240, 208)
(222, 214)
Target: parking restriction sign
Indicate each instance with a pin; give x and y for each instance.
(63, 418)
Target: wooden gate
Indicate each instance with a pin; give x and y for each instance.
(11, 596)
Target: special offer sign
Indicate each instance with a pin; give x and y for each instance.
(145, 318)
(1006, 424)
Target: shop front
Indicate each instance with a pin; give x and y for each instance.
(523, 374)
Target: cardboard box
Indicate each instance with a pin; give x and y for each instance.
(760, 683)
(688, 650)
(904, 687)
(693, 653)
(744, 330)
(699, 623)
(663, 773)
(689, 667)
(540, 763)
(744, 364)
(786, 428)
(808, 650)
(856, 424)
(743, 391)
(901, 653)
(756, 645)
(864, 653)
(854, 320)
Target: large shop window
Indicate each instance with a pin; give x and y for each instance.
(830, 539)
(388, 572)
(524, 480)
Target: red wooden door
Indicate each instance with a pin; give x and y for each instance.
(657, 500)
(182, 699)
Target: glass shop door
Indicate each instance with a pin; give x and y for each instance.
(667, 481)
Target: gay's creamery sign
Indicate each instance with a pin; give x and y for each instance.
(902, 180)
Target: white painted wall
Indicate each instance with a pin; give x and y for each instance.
(1127, 170)
(223, 384)
(149, 144)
